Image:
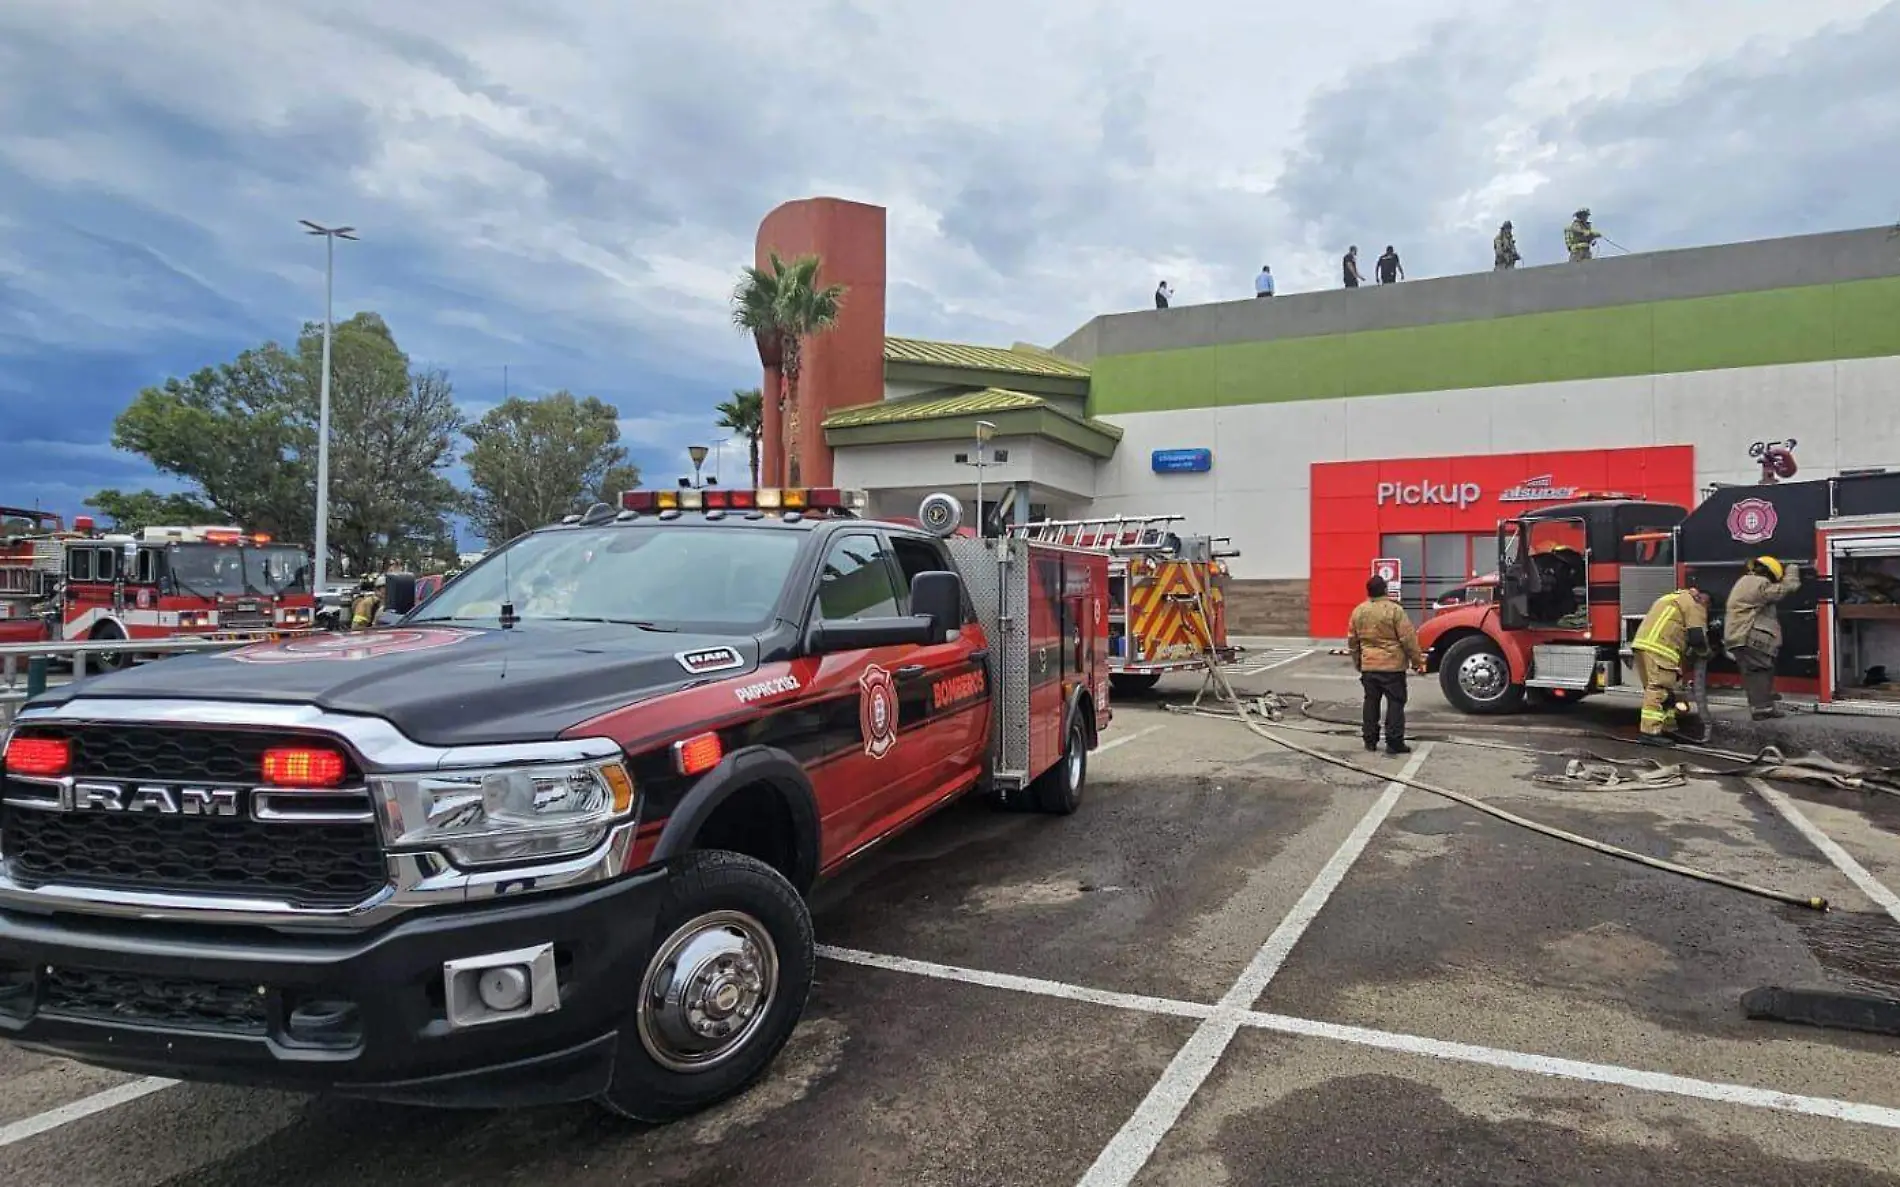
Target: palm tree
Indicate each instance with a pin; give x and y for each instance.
(782, 306)
(745, 413)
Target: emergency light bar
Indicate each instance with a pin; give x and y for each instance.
(765, 498)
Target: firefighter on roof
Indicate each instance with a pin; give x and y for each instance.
(1751, 629)
(1580, 237)
(1676, 628)
(1504, 248)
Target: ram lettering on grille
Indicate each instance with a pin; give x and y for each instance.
(155, 798)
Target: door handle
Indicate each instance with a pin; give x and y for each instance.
(980, 656)
(911, 670)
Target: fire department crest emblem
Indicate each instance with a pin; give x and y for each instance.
(348, 647)
(877, 711)
(1752, 521)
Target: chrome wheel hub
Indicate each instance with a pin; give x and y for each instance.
(1075, 763)
(1483, 677)
(707, 991)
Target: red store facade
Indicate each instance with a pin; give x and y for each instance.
(1438, 516)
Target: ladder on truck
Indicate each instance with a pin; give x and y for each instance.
(1116, 535)
(1144, 535)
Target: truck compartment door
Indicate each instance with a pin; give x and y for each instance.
(1514, 613)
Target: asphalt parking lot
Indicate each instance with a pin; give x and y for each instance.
(1235, 965)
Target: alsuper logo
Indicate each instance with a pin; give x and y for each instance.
(1430, 494)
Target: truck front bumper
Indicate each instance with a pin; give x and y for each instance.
(358, 1015)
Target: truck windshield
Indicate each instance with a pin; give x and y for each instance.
(276, 570)
(207, 570)
(661, 578)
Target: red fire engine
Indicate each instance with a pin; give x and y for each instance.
(1167, 593)
(1575, 579)
(163, 582)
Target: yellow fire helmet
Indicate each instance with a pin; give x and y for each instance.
(1773, 566)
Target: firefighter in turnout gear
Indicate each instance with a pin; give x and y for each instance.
(1674, 631)
(1504, 248)
(367, 604)
(1579, 237)
(1751, 629)
(1383, 645)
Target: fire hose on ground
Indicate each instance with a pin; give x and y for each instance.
(1246, 715)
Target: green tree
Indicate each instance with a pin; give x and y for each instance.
(131, 511)
(745, 414)
(244, 436)
(531, 462)
(236, 433)
(782, 306)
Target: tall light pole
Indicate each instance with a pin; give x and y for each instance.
(330, 236)
(984, 431)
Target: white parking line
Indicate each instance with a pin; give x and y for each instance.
(1278, 663)
(1576, 1069)
(80, 1109)
(1129, 1150)
(1200, 1053)
(1010, 981)
(1856, 873)
(1124, 739)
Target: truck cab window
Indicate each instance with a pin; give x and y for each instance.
(79, 564)
(916, 556)
(856, 580)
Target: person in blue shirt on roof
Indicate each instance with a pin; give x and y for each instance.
(1263, 283)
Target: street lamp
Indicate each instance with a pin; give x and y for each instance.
(984, 431)
(330, 236)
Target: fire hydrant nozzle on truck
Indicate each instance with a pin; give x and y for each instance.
(546, 837)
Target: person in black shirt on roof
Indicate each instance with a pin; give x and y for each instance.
(1390, 270)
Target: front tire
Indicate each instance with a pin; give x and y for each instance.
(1059, 791)
(109, 661)
(722, 991)
(1476, 678)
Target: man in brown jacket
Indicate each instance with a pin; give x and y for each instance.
(1383, 646)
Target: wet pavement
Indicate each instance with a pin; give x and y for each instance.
(1234, 965)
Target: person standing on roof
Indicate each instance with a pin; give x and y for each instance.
(1579, 237)
(1350, 266)
(1162, 295)
(1504, 248)
(1263, 283)
(1388, 266)
(1751, 629)
(1676, 628)
(1383, 645)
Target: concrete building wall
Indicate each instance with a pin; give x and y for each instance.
(1771, 264)
(931, 465)
(1843, 414)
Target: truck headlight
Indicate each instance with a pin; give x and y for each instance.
(506, 815)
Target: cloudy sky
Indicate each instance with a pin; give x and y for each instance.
(567, 187)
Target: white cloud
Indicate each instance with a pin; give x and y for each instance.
(582, 179)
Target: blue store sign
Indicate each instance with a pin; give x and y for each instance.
(1183, 461)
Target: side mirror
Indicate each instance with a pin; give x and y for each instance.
(938, 596)
(399, 593)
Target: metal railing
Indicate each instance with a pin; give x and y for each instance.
(23, 666)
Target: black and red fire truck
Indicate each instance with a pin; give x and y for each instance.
(1576, 578)
(546, 837)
